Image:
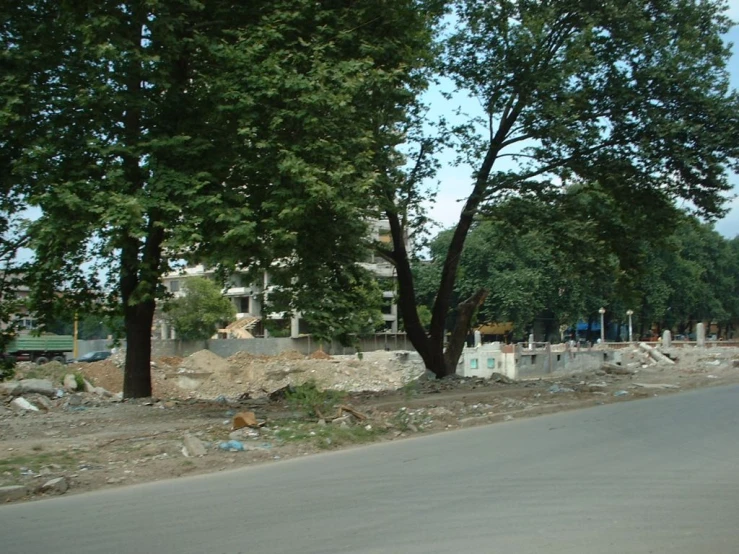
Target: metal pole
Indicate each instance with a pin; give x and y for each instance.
(631, 336)
(602, 329)
(75, 348)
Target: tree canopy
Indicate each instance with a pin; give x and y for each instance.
(630, 94)
(266, 135)
(175, 129)
(200, 311)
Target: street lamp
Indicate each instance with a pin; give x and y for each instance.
(602, 312)
(630, 313)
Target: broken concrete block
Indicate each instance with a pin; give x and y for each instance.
(70, 382)
(23, 404)
(56, 486)
(40, 401)
(9, 388)
(13, 492)
(244, 419)
(193, 446)
(88, 386)
(39, 386)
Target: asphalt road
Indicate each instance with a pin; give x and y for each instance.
(657, 475)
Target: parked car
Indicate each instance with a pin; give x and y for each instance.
(92, 357)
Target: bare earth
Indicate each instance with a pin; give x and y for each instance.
(96, 442)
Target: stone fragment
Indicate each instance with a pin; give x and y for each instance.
(23, 404)
(12, 492)
(70, 383)
(56, 486)
(39, 386)
(41, 401)
(193, 446)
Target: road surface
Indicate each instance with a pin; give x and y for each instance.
(657, 475)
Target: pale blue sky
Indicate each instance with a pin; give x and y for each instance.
(455, 181)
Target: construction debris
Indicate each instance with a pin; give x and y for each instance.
(615, 369)
(655, 354)
(244, 419)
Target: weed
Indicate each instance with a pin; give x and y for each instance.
(79, 380)
(309, 398)
(410, 389)
(328, 436)
(35, 461)
(7, 367)
(37, 448)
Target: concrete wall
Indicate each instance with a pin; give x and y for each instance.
(85, 346)
(486, 359)
(260, 347)
(543, 361)
(519, 362)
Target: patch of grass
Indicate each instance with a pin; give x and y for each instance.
(79, 380)
(35, 462)
(411, 389)
(312, 400)
(328, 436)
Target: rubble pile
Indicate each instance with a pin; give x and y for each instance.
(206, 375)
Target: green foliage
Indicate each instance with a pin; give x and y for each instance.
(314, 401)
(199, 313)
(237, 134)
(632, 96)
(348, 307)
(79, 380)
(7, 368)
(327, 437)
(538, 259)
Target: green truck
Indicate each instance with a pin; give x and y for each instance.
(40, 349)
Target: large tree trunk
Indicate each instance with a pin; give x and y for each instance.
(455, 346)
(137, 375)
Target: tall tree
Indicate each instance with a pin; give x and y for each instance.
(631, 94)
(173, 128)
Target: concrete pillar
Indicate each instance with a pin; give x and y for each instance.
(700, 334)
(164, 330)
(667, 339)
(531, 341)
(295, 326)
(394, 312)
(478, 338)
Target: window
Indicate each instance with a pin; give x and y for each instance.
(533, 359)
(491, 363)
(174, 285)
(559, 357)
(244, 305)
(473, 363)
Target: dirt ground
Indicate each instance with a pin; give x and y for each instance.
(96, 441)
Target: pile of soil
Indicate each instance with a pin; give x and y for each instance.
(204, 361)
(104, 374)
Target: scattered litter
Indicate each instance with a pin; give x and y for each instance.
(244, 419)
(232, 446)
(655, 386)
(621, 393)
